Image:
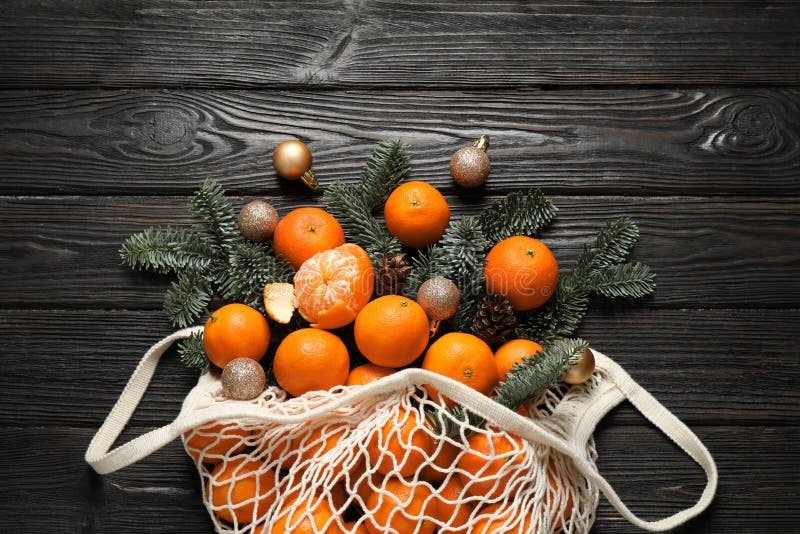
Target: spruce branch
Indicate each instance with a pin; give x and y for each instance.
(250, 267)
(187, 298)
(425, 266)
(464, 253)
(519, 213)
(560, 317)
(387, 166)
(165, 250)
(529, 379)
(217, 217)
(625, 280)
(193, 354)
(612, 245)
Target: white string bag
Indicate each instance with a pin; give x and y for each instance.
(365, 453)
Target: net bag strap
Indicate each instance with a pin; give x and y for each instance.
(99, 454)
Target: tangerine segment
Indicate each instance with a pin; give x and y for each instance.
(305, 231)
(489, 464)
(402, 444)
(417, 214)
(332, 286)
(523, 270)
(462, 357)
(400, 507)
(392, 331)
(242, 489)
(309, 360)
(515, 351)
(211, 442)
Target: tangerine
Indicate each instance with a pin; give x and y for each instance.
(452, 510)
(402, 444)
(392, 331)
(443, 461)
(332, 286)
(489, 462)
(369, 372)
(523, 270)
(242, 489)
(310, 516)
(496, 517)
(235, 331)
(310, 359)
(513, 352)
(305, 231)
(417, 214)
(399, 507)
(212, 442)
(462, 357)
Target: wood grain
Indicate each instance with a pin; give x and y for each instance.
(62, 251)
(715, 141)
(709, 367)
(161, 494)
(377, 44)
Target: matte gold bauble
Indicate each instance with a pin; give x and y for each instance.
(292, 161)
(243, 379)
(257, 221)
(470, 165)
(581, 371)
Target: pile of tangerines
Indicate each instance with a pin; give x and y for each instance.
(332, 288)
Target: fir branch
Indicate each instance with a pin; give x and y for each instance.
(519, 213)
(464, 254)
(529, 379)
(348, 204)
(625, 280)
(187, 298)
(386, 167)
(218, 219)
(468, 309)
(558, 318)
(165, 250)
(426, 265)
(193, 354)
(612, 245)
(250, 267)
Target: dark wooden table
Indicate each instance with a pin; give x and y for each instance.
(684, 115)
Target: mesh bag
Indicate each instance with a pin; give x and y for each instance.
(386, 457)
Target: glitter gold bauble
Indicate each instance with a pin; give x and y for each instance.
(257, 221)
(243, 379)
(292, 161)
(470, 165)
(439, 297)
(581, 371)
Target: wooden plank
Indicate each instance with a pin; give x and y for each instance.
(452, 43)
(162, 493)
(707, 252)
(708, 366)
(700, 141)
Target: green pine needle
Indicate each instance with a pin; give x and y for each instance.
(519, 213)
(386, 167)
(165, 250)
(529, 379)
(187, 298)
(626, 280)
(193, 354)
(250, 267)
(612, 245)
(218, 223)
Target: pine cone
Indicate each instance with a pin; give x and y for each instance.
(393, 271)
(495, 319)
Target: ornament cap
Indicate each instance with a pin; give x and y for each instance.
(482, 143)
(310, 179)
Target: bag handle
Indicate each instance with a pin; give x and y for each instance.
(99, 454)
(104, 460)
(664, 420)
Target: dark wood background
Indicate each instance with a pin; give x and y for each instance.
(685, 115)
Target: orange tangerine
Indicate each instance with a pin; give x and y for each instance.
(213, 441)
(513, 352)
(417, 214)
(242, 489)
(310, 359)
(392, 331)
(305, 231)
(523, 270)
(369, 372)
(235, 331)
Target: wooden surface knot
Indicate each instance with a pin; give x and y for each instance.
(163, 131)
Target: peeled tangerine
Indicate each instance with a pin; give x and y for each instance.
(332, 286)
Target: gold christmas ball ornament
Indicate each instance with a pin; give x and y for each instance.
(439, 297)
(581, 371)
(470, 165)
(243, 379)
(292, 161)
(257, 221)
